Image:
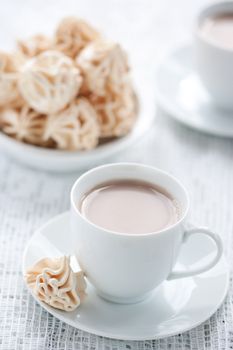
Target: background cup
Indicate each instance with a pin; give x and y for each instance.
(126, 267)
(215, 63)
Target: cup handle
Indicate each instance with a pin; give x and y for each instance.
(195, 271)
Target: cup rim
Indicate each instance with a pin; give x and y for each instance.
(119, 164)
(203, 13)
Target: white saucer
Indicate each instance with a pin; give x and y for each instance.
(175, 307)
(66, 161)
(180, 93)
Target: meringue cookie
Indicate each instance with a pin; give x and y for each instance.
(24, 124)
(8, 78)
(74, 128)
(104, 67)
(116, 113)
(54, 282)
(72, 35)
(34, 45)
(49, 81)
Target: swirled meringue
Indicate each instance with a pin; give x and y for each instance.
(74, 128)
(104, 67)
(116, 112)
(24, 124)
(34, 45)
(9, 66)
(72, 35)
(54, 282)
(49, 81)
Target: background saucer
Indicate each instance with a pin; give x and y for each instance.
(181, 94)
(175, 307)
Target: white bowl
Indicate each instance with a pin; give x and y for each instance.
(65, 161)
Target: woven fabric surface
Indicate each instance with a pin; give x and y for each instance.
(28, 198)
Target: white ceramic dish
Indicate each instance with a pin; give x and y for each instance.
(175, 307)
(181, 94)
(66, 161)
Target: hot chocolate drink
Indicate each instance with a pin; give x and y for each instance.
(131, 207)
(219, 29)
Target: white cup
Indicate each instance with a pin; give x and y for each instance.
(214, 63)
(125, 268)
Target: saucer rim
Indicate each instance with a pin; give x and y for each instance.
(170, 108)
(79, 326)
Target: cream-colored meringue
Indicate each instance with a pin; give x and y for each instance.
(116, 113)
(49, 81)
(104, 67)
(9, 66)
(72, 35)
(74, 128)
(24, 124)
(55, 283)
(34, 45)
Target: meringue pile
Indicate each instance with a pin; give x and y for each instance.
(67, 92)
(54, 282)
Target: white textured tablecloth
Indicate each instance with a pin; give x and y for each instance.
(29, 198)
